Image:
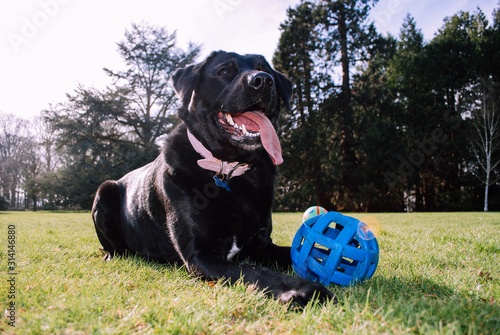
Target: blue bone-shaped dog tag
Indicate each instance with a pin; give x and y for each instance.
(221, 183)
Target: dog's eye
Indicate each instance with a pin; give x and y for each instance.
(223, 71)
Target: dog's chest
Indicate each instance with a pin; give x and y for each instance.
(233, 250)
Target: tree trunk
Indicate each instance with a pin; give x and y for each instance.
(486, 190)
(348, 154)
(13, 199)
(34, 199)
(487, 187)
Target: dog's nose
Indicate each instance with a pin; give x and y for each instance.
(261, 80)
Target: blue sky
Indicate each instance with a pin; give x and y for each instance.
(49, 47)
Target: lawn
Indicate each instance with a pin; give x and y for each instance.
(439, 273)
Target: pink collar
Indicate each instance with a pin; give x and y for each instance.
(209, 162)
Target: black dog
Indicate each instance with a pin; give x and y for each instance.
(208, 196)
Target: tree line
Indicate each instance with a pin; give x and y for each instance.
(385, 123)
(95, 135)
(378, 123)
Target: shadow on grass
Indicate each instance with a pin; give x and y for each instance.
(137, 259)
(417, 286)
(416, 303)
(419, 304)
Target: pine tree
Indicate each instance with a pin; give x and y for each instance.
(301, 179)
(319, 40)
(348, 37)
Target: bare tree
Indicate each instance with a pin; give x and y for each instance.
(13, 134)
(45, 135)
(486, 145)
(44, 160)
(31, 169)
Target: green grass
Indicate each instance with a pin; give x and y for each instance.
(439, 273)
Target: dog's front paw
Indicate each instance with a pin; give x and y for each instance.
(303, 292)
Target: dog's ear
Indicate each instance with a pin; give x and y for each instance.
(187, 79)
(284, 87)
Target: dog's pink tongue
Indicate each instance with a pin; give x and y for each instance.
(268, 136)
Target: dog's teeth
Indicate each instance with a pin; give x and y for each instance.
(252, 134)
(244, 129)
(229, 119)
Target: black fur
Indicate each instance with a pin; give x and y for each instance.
(170, 210)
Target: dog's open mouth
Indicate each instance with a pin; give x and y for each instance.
(239, 125)
(251, 126)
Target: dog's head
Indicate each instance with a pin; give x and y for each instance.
(231, 103)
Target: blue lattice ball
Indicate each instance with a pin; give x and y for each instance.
(334, 248)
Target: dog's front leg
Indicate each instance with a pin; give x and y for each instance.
(284, 288)
(268, 254)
